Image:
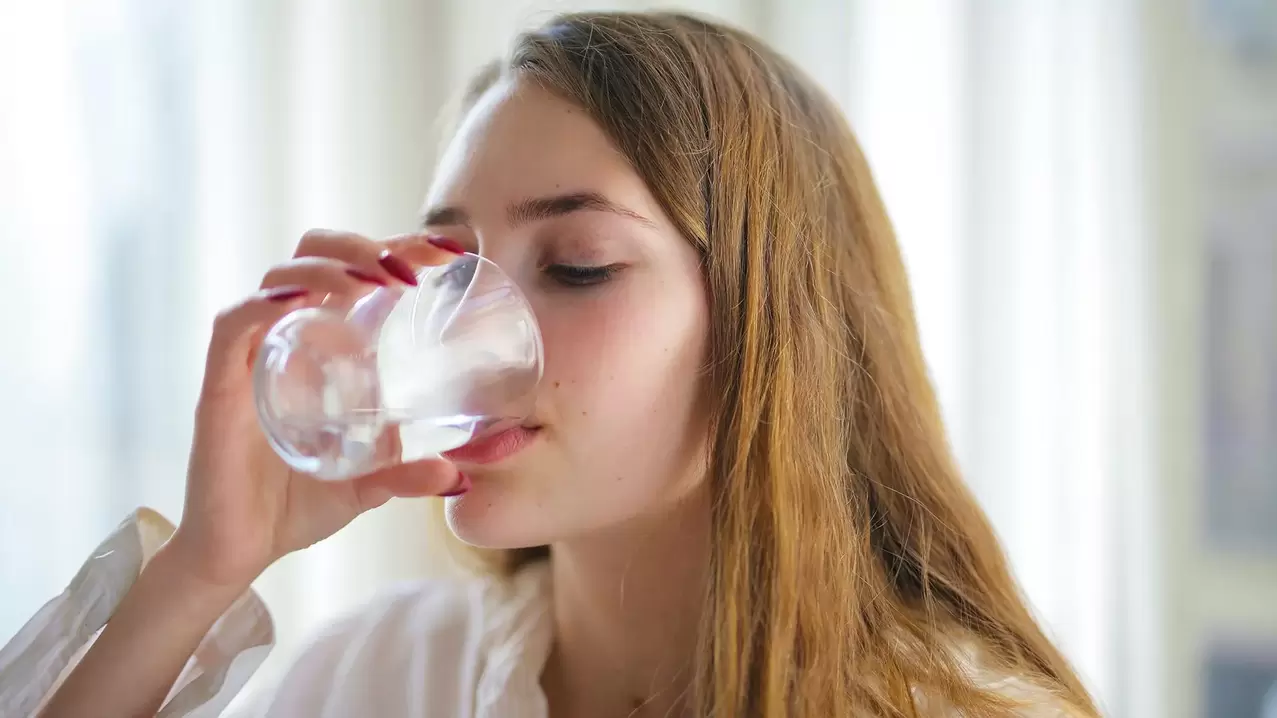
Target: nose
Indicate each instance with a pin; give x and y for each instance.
(510, 252)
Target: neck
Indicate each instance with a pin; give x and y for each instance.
(627, 609)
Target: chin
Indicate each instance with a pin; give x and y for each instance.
(492, 517)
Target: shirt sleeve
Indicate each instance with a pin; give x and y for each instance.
(45, 650)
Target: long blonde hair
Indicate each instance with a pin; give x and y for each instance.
(852, 571)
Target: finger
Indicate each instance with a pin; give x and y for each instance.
(363, 254)
(424, 250)
(237, 330)
(347, 246)
(394, 258)
(430, 477)
(322, 274)
(356, 251)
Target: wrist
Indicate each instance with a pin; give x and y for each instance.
(172, 568)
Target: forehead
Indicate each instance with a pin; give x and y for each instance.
(520, 141)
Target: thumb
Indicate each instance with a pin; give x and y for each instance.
(428, 477)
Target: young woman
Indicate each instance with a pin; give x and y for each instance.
(734, 497)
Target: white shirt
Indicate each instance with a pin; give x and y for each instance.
(433, 649)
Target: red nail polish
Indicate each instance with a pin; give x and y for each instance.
(398, 268)
(363, 276)
(283, 294)
(463, 485)
(447, 244)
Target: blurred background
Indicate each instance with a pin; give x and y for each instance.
(1085, 190)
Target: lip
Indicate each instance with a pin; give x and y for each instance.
(494, 448)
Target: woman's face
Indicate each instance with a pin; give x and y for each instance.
(619, 426)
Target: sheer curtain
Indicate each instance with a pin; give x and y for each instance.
(159, 156)
(103, 329)
(1007, 141)
(155, 159)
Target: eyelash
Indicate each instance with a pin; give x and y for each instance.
(571, 275)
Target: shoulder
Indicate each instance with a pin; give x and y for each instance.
(436, 631)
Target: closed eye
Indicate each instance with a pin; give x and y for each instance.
(572, 275)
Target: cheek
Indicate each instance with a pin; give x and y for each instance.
(622, 367)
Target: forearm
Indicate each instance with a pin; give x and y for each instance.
(158, 625)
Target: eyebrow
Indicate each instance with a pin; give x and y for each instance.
(539, 208)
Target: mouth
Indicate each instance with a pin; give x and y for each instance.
(495, 447)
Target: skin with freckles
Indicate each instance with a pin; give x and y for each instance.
(620, 418)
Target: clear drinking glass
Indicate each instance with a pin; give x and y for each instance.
(407, 373)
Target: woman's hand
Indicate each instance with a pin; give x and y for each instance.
(245, 508)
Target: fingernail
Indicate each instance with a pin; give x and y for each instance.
(283, 294)
(398, 268)
(363, 276)
(447, 244)
(463, 485)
